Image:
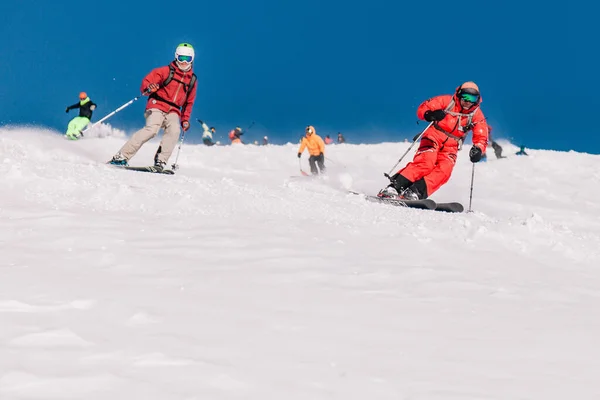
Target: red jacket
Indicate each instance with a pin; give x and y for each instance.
(451, 124)
(174, 92)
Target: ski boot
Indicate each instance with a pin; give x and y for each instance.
(159, 166)
(409, 194)
(119, 160)
(389, 192)
(72, 136)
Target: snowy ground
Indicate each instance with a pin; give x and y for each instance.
(232, 280)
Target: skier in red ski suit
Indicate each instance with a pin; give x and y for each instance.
(171, 94)
(452, 117)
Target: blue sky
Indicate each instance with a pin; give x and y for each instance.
(357, 67)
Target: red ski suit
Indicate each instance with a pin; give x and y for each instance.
(436, 156)
(177, 92)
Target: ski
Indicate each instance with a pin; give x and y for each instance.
(425, 204)
(452, 207)
(151, 169)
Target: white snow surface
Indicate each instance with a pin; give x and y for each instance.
(233, 280)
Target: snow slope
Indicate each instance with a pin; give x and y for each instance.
(232, 280)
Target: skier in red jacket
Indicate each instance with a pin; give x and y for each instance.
(172, 92)
(452, 117)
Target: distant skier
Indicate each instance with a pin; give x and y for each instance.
(522, 152)
(452, 116)
(328, 140)
(497, 148)
(235, 135)
(341, 138)
(172, 92)
(77, 124)
(265, 141)
(316, 149)
(207, 137)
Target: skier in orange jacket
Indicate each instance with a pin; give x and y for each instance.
(452, 117)
(316, 149)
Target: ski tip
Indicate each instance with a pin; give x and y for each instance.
(450, 207)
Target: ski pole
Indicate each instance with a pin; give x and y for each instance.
(471, 194)
(251, 125)
(415, 139)
(175, 166)
(130, 102)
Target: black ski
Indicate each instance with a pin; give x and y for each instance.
(453, 207)
(151, 169)
(426, 204)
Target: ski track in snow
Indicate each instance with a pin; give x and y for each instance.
(233, 279)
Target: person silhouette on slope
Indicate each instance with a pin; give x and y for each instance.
(316, 149)
(207, 134)
(77, 124)
(235, 135)
(522, 152)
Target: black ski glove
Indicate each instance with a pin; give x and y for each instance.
(299, 155)
(435, 115)
(475, 154)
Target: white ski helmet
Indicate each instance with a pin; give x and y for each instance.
(184, 56)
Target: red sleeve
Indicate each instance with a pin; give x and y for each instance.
(435, 103)
(157, 75)
(480, 130)
(187, 107)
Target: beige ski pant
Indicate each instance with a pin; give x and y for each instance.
(155, 119)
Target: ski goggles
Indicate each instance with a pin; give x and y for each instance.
(468, 97)
(187, 59)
